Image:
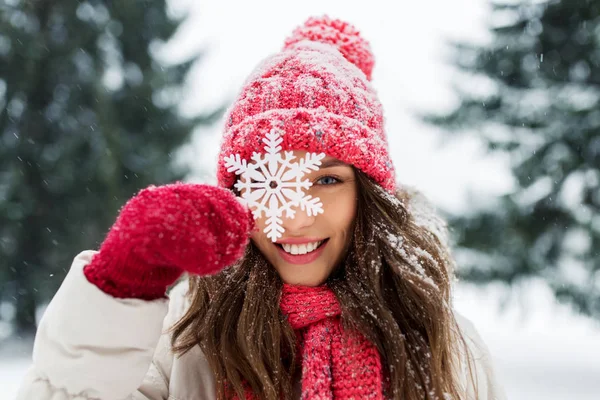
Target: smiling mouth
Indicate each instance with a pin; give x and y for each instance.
(301, 249)
(302, 256)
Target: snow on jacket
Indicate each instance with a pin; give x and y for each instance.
(90, 345)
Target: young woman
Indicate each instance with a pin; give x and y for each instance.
(311, 274)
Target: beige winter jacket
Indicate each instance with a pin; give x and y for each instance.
(90, 345)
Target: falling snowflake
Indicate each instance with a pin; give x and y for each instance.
(273, 183)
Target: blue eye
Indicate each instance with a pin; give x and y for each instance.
(328, 180)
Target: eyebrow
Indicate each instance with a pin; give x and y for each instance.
(332, 163)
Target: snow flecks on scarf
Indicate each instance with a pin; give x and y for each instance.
(336, 364)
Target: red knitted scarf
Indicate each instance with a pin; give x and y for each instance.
(336, 364)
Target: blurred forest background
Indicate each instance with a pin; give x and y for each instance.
(534, 94)
(88, 117)
(89, 114)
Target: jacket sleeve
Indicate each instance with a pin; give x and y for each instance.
(90, 345)
(479, 379)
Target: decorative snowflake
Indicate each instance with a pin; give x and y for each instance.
(273, 183)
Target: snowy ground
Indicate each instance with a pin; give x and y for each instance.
(12, 371)
(544, 353)
(541, 349)
(15, 357)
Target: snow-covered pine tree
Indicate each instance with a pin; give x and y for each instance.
(542, 106)
(87, 117)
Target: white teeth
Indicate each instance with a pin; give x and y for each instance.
(300, 248)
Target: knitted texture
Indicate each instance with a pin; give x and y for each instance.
(165, 231)
(316, 94)
(341, 35)
(336, 364)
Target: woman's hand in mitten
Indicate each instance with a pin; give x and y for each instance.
(162, 232)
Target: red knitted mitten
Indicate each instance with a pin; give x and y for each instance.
(162, 232)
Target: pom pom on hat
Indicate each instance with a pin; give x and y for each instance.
(342, 35)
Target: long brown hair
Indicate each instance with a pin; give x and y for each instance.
(393, 286)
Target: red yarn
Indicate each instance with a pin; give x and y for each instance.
(336, 364)
(162, 232)
(316, 98)
(342, 35)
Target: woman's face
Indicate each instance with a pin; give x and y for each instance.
(312, 246)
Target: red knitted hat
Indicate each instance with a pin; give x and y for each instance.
(316, 94)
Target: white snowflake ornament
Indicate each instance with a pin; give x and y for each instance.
(273, 183)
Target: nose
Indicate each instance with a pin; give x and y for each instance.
(298, 223)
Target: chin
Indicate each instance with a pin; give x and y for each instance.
(293, 279)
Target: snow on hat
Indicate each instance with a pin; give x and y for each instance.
(316, 94)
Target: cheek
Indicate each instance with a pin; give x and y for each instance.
(260, 240)
(259, 225)
(258, 234)
(340, 211)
